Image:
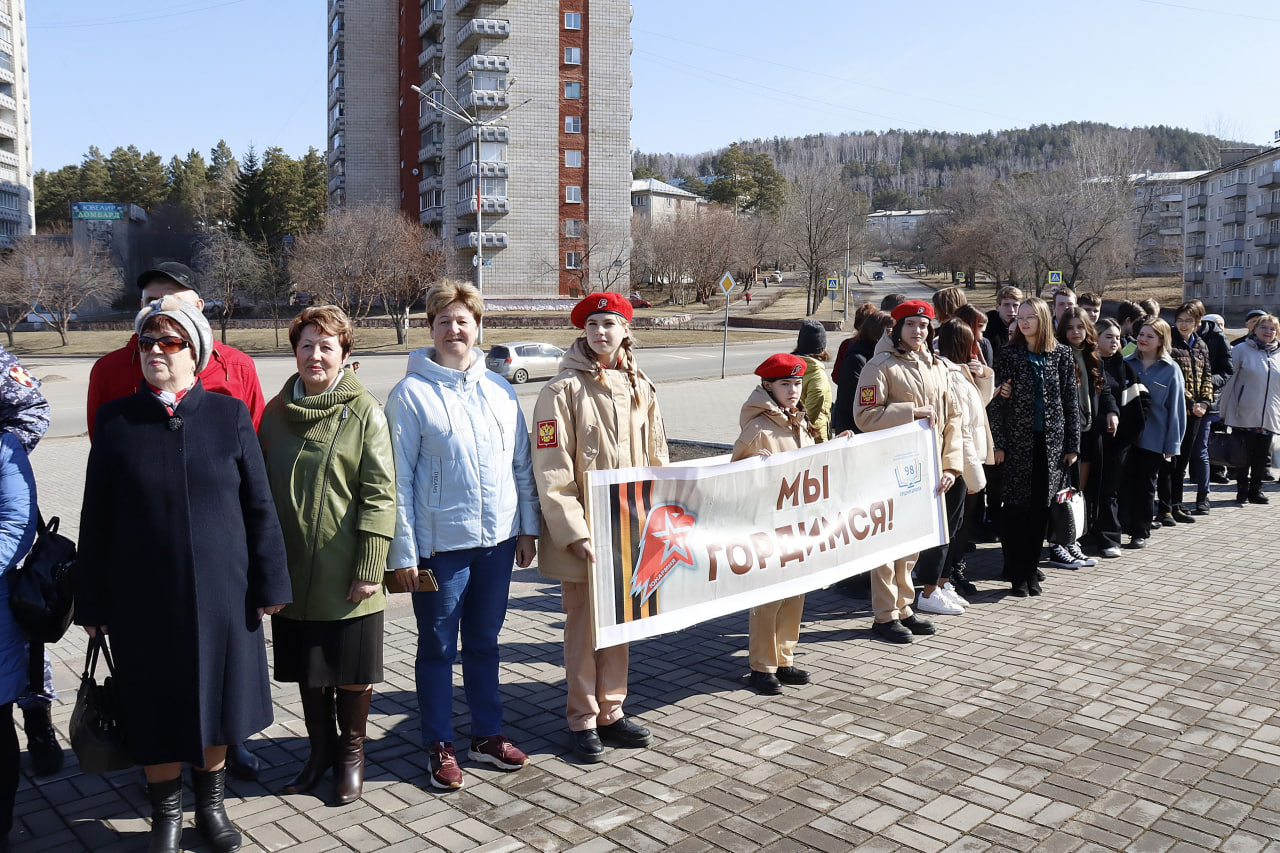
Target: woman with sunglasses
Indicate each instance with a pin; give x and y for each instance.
(1035, 424)
(180, 557)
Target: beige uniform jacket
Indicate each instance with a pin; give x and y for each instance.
(973, 396)
(766, 427)
(894, 382)
(586, 420)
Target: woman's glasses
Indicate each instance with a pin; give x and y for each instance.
(169, 344)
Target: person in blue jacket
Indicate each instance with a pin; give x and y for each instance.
(17, 533)
(466, 508)
(1161, 438)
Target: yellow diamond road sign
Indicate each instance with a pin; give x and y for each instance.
(727, 284)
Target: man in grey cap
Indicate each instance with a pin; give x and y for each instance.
(229, 371)
(119, 373)
(1250, 320)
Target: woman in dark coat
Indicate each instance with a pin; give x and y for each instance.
(1116, 432)
(1035, 424)
(870, 331)
(180, 556)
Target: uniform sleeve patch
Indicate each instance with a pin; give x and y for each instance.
(19, 374)
(547, 435)
(867, 395)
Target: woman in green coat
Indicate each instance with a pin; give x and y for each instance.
(329, 462)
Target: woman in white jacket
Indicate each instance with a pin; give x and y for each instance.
(973, 384)
(466, 508)
(1250, 403)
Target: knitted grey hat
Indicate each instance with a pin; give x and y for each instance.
(812, 338)
(188, 317)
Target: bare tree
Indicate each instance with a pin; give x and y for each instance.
(55, 279)
(818, 222)
(229, 268)
(602, 257)
(15, 293)
(417, 261)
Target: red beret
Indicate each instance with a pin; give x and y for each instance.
(913, 308)
(781, 366)
(597, 303)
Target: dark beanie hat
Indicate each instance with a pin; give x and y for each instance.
(812, 338)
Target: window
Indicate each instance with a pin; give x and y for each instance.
(573, 159)
(572, 91)
(573, 194)
(573, 20)
(573, 228)
(573, 260)
(573, 56)
(573, 124)
(637, 201)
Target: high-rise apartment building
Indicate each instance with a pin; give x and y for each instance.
(17, 184)
(550, 189)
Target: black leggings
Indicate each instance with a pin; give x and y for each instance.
(931, 561)
(1257, 448)
(960, 538)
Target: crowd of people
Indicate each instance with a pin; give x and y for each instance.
(208, 508)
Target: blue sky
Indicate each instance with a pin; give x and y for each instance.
(171, 75)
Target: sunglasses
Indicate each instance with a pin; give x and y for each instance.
(169, 344)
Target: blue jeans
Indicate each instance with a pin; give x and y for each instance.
(479, 609)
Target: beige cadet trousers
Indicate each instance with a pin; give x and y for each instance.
(892, 590)
(773, 631)
(596, 680)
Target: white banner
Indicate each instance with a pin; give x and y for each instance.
(680, 545)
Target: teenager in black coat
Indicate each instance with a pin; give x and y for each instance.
(1117, 434)
(180, 556)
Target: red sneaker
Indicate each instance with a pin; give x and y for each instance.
(445, 772)
(498, 751)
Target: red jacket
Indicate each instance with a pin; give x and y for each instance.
(119, 374)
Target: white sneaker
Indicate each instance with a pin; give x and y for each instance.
(1111, 552)
(1074, 550)
(938, 604)
(949, 589)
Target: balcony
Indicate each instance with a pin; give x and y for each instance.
(1234, 245)
(1237, 190)
(1194, 277)
(8, 131)
(1195, 251)
(431, 216)
(1233, 273)
(337, 182)
(488, 133)
(1171, 211)
(486, 98)
(336, 95)
(432, 20)
(490, 207)
(1201, 200)
(11, 215)
(430, 151)
(1270, 209)
(434, 51)
(429, 118)
(337, 154)
(492, 240)
(488, 169)
(478, 28)
(1234, 217)
(483, 62)
(7, 76)
(1266, 270)
(459, 5)
(1268, 179)
(1197, 227)
(1171, 198)
(336, 38)
(1270, 238)
(337, 125)
(8, 158)
(426, 185)
(1172, 231)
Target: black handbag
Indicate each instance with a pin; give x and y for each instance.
(40, 589)
(1227, 448)
(96, 734)
(1066, 514)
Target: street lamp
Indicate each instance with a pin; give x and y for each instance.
(473, 120)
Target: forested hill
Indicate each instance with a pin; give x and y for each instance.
(917, 161)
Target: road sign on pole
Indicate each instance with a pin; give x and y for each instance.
(1055, 278)
(727, 285)
(960, 276)
(833, 285)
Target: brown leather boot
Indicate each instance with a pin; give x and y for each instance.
(353, 713)
(322, 732)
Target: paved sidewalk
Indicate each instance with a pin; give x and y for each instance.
(1131, 707)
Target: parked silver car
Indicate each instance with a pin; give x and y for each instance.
(524, 360)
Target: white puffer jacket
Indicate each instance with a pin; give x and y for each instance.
(974, 395)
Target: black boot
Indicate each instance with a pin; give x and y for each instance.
(42, 741)
(211, 816)
(353, 714)
(166, 815)
(242, 764)
(322, 732)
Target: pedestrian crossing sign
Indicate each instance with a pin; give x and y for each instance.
(833, 284)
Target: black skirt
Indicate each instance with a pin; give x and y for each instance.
(328, 654)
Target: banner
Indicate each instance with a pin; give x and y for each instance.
(678, 546)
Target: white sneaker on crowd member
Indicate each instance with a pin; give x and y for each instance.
(949, 590)
(1074, 550)
(1062, 559)
(939, 604)
(1111, 552)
